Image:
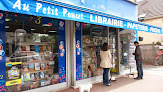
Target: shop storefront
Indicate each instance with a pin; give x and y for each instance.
(45, 46)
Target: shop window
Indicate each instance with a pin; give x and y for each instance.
(33, 50)
(93, 36)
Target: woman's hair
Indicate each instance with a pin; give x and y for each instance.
(136, 42)
(105, 47)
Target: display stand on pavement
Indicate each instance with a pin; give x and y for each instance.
(130, 73)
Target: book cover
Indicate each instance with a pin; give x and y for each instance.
(23, 48)
(42, 75)
(41, 48)
(37, 66)
(36, 48)
(31, 67)
(49, 48)
(32, 75)
(32, 48)
(25, 68)
(42, 66)
(27, 48)
(37, 75)
(44, 48)
(26, 77)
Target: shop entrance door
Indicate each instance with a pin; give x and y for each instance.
(127, 59)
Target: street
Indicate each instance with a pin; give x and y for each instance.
(152, 82)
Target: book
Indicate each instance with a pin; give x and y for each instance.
(41, 48)
(25, 68)
(32, 48)
(36, 48)
(31, 67)
(23, 48)
(37, 66)
(42, 66)
(44, 48)
(26, 77)
(27, 48)
(37, 75)
(32, 75)
(49, 48)
(42, 75)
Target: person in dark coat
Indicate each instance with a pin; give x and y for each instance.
(139, 59)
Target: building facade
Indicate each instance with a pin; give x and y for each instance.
(47, 45)
(150, 15)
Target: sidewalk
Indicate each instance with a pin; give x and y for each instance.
(150, 83)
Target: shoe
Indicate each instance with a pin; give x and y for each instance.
(141, 77)
(108, 85)
(137, 78)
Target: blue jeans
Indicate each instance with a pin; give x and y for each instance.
(139, 69)
(106, 76)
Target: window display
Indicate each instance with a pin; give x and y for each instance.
(32, 52)
(127, 48)
(92, 38)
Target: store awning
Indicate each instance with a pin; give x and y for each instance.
(40, 8)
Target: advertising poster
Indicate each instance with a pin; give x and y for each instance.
(62, 51)
(78, 51)
(2, 52)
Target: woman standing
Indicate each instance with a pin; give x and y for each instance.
(105, 63)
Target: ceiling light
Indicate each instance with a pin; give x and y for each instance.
(33, 29)
(7, 19)
(43, 35)
(46, 25)
(7, 26)
(52, 31)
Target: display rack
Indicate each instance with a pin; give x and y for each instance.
(37, 71)
(90, 68)
(31, 57)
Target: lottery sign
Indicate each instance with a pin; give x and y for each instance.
(1, 41)
(1, 47)
(2, 52)
(61, 48)
(78, 47)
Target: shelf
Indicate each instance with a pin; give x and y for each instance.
(37, 71)
(25, 57)
(89, 57)
(24, 63)
(85, 44)
(35, 43)
(36, 79)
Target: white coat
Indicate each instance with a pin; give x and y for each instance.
(105, 59)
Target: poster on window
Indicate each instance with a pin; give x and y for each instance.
(78, 51)
(62, 51)
(2, 52)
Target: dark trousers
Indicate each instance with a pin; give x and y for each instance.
(106, 76)
(139, 69)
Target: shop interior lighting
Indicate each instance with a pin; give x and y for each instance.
(33, 29)
(7, 19)
(46, 25)
(43, 35)
(7, 26)
(52, 31)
